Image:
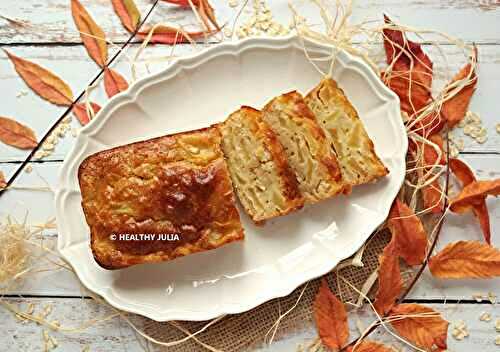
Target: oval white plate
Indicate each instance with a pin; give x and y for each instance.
(197, 91)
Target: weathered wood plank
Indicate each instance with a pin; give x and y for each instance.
(115, 335)
(62, 60)
(50, 21)
(40, 208)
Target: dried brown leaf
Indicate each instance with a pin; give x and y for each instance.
(369, 346)
(474, 194)
(128, 13)
(466, 259)
(389, 280)
(420, 325)
(480, 210)
(3, 182)
(17, 135)
(114, 82)
(91, 34)
(408, 233)
(43, 82)
(331, 318)
(81, 113)
(432, 197)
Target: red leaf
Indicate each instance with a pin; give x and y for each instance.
(466, 260)
(170, 35)
(389, 280)
(421, 326)
(454, 108)
(480, 210)
(408, 234)
(411, 76)
(17, 135)
(114, 82)
(81, 113)
(330, 317)
(92, 35)
(128, 13)
(43, 82)
(430, 124)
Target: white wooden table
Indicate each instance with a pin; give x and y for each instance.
(49, 38)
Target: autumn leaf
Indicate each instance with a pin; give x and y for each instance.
(81, 113)
(408, 234)
(369, 346)
(128, 13)
(431, 156)
(411, 74)
(92, 35)
(474, 194)
(432, 196)
(17, 135)
(170, 35)
(183, 3)
(389, 280)
(3, 182)
(427, 125)
(207, 15)
(114, 82)
(330, 317)
(480, 210)
(456, 106)
(420, 325)
(466, 259)
(43, 82)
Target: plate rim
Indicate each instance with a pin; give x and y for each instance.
(130, 95)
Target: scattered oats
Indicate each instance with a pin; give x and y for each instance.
(460, 144)
(478, 297)
(454, 151)
(48, 146)
(497, 127)
(461, 124)
(460, 331)
(233, 3)
(468, 129)
(50, 139)
(485, 316)
(21, 94)
(56, 324)
(228, 32)
(28, 169)
(39, 154)
(482, 132)
(67, 119)
(481, 140)
(492, 297)
(86, 349)
(497, 340)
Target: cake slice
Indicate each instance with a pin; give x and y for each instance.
(264, 182)
(158, 199)
(306, 146)
(338, 118)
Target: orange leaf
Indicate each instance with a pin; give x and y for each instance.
(3, 182)
(432, 197)
(427, 125)
(170, 35)
(466, 259)
(207, 14)
(454, 109)
(183, 3)
(114, 82)
(411, 76)
(43, 82)
(474, 194)
(408, 234)
(420, 325)
(389, 280)
(431, 156)
(466, 176)
(369, 346)
(81, 113)
(330, 317)
(128, 13)
(92, 35)
(17, 135)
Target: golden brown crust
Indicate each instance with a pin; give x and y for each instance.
(176, 184)
(355, 150)
(305, 128)
(264, 182)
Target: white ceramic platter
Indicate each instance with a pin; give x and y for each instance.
(197, 91)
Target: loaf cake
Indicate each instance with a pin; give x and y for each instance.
(175, 187)
(310, 155)
(354, 148)
(264, 182)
